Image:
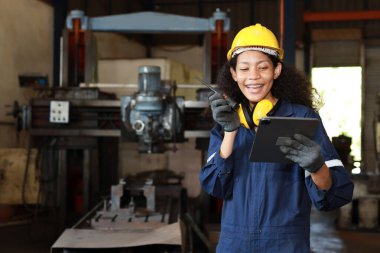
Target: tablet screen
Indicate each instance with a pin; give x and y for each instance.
(272, 131)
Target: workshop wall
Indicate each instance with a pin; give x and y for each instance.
(189, 55)
(117, 46)
(26, 46)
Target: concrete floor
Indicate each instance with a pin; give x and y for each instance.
(28, 238)
(324, 237)
(38, 237)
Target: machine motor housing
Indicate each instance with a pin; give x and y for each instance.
(152, 116)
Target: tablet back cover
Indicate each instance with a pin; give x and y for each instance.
(270, 132)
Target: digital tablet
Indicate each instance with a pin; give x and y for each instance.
(272, 131)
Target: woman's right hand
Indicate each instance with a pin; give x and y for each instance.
(222, 112)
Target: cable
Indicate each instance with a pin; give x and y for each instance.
(37, 210)
(23, 197)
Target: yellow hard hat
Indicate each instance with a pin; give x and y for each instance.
(256, 36)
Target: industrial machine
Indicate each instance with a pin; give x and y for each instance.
(75, 124)
(154, 115)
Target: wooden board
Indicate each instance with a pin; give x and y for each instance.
(12, 170)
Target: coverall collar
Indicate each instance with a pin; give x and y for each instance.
(285, 109)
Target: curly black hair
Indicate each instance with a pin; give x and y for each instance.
(291, 85)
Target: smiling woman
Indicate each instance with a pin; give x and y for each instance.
(257, 216)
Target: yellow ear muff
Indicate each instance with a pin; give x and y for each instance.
(261, 110)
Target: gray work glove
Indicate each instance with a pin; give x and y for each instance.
(303, 151)
(222, 112)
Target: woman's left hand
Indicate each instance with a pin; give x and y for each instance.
(303, 151)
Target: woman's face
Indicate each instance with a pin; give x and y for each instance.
(255, 74)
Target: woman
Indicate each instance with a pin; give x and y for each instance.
(266, 206)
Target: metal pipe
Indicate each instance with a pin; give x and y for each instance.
(341, 16)
(219, 24)
(60, 12)
(76, 28)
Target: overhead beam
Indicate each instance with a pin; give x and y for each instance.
(341, 16)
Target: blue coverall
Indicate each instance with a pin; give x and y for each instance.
(266, 206)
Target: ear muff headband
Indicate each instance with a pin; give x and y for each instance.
(245, 116)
